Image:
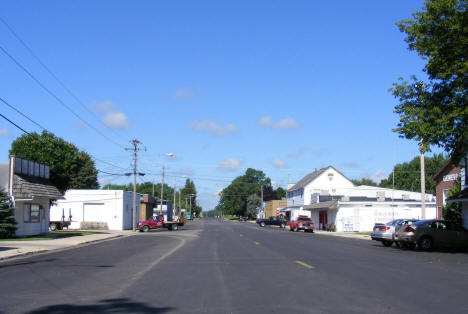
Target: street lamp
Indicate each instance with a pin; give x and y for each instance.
(171, 155)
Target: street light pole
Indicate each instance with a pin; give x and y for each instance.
(162, 190)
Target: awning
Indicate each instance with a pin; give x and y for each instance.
(322, 205)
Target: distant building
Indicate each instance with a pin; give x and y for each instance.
(272, 208)
(106, 209)
(335, 202)
(445, 180)
(28, 185)
(462, 196)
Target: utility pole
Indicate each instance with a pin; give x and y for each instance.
(420, 86)
(135, 149)
(175, 196)
(261, 204)
(423, 184)
(162, 189)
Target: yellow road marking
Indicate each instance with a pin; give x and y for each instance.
(257, 243)
(305, 265)
(241, 235)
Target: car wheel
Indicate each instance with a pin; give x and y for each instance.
(387, 243)
(53, 227)
(397, 244)
(175, 227)
(282, 226)
(262, 224)
(146, 229)
(425, 243)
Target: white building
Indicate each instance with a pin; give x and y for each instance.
(111, 208)
(333, 200)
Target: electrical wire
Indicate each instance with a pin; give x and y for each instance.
(60, 101)
(73, 95)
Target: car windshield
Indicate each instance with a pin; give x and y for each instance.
(304, 219)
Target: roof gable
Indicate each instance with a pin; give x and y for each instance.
(313, 176)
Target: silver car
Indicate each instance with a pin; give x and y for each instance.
(384, 232)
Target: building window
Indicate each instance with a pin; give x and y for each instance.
(32, 212)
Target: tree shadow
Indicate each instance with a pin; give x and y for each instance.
(121, 305)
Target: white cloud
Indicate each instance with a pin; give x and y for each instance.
(4, 132)
(378, 176)
(182, 94)
(231, 164)
(278, 163)
(297, 153)
(283, 124)
(103, 181)
(186, 171)
(351, 164)
(115, 120)
(111, 117)
(213, 128)
(275, 184)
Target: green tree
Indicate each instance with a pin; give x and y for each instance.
(188, 192)
(364, 181)
(452, 211)
(280, 193)
(233, 199)
(408, 174)
(253, 202)
(144, 188)
(437, 113)
(70, 168)
(7, 217)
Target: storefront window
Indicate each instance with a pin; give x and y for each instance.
(32, 213)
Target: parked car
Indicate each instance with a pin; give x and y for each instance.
(428, 234)
(302, 223)
(272, 220)
(403, 223)
(384, 232)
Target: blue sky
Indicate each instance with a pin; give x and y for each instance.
(281, 86)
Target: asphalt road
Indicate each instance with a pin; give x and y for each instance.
(214, 266)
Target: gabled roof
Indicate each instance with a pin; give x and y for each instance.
(29, 187)
(307, 179)
(311, 177)
(444, 168)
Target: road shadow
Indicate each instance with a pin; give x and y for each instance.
(6, 249)
(28, 263)
(105, 306)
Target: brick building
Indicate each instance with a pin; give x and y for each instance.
(444, 179)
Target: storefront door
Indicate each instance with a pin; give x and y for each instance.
(323, 219)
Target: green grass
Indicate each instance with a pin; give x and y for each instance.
(51, 236)
(365, 233)
(231, 217)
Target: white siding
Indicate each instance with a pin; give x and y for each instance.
(113, 207)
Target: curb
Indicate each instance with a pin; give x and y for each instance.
(71, 246)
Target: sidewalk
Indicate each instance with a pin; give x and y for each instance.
(351, 235)
(10, 249)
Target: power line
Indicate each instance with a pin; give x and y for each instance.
(57, 98)
(15, 109)
(15, 124)
(49, 70)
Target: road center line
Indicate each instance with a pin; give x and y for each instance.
(305, 265)
(257, 243)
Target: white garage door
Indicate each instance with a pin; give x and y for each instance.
(95, 212)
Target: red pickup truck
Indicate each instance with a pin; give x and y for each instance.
(157, 222)
(302, 223)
